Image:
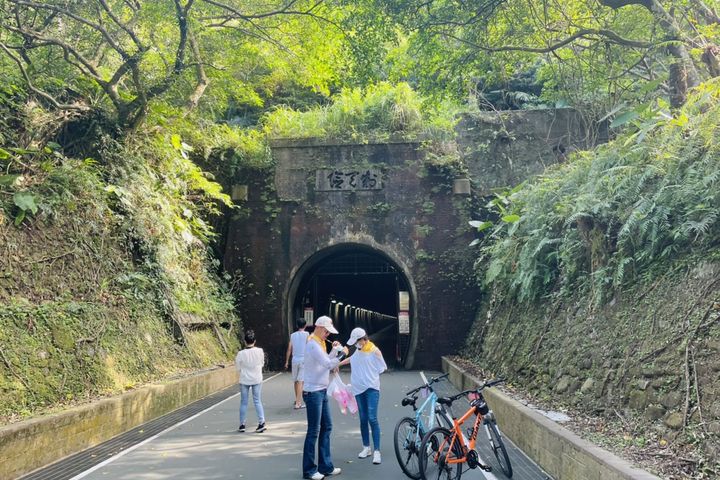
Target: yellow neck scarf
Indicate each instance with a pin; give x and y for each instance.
(368, 347)
(319, 341)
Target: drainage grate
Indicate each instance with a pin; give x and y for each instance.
(75, 464)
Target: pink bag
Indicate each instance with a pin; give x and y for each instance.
(342, 394)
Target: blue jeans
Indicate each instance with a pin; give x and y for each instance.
(367, 410)
(244, 395)
(319, 427)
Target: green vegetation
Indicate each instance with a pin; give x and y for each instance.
(105, 266)
(122, 120)
(377, 113)
(628, 209)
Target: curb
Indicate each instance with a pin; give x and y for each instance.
(35, 443)
(558, 451)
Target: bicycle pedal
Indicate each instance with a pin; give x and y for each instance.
(486, 468)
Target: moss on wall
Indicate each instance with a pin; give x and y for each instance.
(651, 354)
(107, 282)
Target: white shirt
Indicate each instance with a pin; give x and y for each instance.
(298, 340)
(366, 368)
(249, 364)
(317, 366)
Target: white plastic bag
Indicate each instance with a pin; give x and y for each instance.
(342, 394)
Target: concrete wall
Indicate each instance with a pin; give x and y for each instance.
(413, 218)
(561, 453)
(505, 148)
(53, 437)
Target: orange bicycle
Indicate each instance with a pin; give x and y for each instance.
(443, 452)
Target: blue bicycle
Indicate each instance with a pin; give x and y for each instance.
(410, 431)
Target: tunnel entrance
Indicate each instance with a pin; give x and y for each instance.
(357, 287)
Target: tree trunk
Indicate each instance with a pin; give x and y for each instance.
(683, 74)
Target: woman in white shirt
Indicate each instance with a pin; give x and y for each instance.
(249, 363)
(367, 363)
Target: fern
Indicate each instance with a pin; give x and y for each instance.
(642, 201)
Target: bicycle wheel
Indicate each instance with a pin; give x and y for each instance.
(498, 448)
(435, 453)
(407, 446)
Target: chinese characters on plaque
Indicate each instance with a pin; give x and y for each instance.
(348, 179)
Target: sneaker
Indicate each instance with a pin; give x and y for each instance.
(366, 451)
(336, 471)
(376, 457)
(241, 428)
(260, 428)
(316, 476)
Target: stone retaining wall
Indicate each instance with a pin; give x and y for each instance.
(561, 453)
(32, 444)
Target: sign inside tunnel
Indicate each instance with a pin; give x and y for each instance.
(348, 179)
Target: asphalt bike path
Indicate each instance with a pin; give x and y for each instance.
(208, 446)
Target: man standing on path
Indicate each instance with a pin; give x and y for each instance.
(296, 348)
(317, 365)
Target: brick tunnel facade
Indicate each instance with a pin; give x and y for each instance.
(377, 235)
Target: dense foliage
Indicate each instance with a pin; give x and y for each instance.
(111, 110)
(376, 113)
(106, 263)
(629, 208)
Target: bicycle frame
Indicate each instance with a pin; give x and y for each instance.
(448, 446)
(429, 408)
(465, 444)
(428, 405)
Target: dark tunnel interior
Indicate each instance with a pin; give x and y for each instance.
(357, 289)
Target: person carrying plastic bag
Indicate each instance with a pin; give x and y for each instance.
(318, 364)
(343, 395)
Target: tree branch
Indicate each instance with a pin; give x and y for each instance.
(37, 91)
(608, 34)
(615, 4)
(135, 110)
(708, 14)
(84, 65)
(202, 79)
(285, 10)
(54, 8)
(125, 28)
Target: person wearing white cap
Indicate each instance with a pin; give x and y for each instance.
(366, 363)
(318, 364)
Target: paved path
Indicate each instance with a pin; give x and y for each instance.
(208, 446)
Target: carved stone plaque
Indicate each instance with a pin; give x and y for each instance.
(348, 179)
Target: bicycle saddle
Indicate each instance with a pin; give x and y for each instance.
(445, 401)
(408, 401)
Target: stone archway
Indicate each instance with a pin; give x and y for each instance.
(358, 285)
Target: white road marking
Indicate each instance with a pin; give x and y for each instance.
(138, 445)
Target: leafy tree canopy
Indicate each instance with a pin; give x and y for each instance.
(122, 55)
(585, 53)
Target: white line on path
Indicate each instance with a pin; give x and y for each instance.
(138, 445)
(488, 475)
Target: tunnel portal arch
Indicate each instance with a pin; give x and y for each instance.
(357, 285)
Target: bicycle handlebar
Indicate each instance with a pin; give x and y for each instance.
(428, 384)
(489, 384)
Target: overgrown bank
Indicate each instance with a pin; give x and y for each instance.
(605, 287)
(107, 280)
